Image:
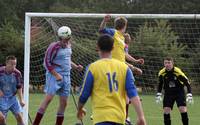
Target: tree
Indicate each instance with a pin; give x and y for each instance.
(155, 41)
(11, 42)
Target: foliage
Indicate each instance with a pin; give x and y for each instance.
(11, 43)
(12, 14)
(155, 40)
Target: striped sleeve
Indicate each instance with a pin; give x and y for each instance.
(49, 55)
(19, 79)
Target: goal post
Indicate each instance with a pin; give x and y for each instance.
(171, 35)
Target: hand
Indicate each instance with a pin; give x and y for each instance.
(141, 121)
(158, 98)
(58, 77)
(140, 61)
(107, 18)
(79, 68)
(1, 93)
(22, 103)
(189, 98)
(81, 113)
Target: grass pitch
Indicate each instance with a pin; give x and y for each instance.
(153, 112)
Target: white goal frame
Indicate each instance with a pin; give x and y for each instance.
(29, 15)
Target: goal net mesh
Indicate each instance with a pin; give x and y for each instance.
(154, 40)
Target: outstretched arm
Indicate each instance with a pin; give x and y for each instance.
(132, 59)
(77, 67)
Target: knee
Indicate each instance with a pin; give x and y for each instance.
(64, 104)
(183, 109)
(47, 100)
(2, 119)
(167, 110)
(19, 118)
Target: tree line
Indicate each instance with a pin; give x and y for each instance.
(12, 13)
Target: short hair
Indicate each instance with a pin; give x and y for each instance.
(120, 23)
(11, 57)
(169, 59)
(105, 43)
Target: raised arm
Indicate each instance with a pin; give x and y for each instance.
(105, 20)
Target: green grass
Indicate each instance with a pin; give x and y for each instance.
(153, 112)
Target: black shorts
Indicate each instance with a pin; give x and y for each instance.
(169, 100)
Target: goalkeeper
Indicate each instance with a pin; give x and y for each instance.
(173, 80)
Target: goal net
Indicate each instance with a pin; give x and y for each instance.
(156, 36)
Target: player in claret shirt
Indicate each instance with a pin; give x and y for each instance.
(10, 84)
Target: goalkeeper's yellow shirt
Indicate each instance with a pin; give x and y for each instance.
(118, 51)
(108, 81)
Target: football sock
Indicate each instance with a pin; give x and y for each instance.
(185, 119)
(167, 119)
(59, 119)
(38, 116)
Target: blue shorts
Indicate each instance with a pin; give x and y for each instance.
(10, 103)
(61, 88)
(108, 123)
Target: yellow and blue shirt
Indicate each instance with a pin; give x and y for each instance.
(108, 81)
(119, 44)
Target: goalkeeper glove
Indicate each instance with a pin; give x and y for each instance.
(158, 98)
(189, 98)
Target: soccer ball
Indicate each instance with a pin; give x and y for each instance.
(64, 32)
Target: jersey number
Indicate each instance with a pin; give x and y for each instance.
(113, 83)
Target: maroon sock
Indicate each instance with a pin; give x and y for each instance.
(127, 106)
(59, 119)
(38, 117)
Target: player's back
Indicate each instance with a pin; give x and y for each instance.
(119, 45)
(108, 94)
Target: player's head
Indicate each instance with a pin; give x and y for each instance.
(105, 43)
(169, 63)
(64, 33)
(120, 23)
(11, 62)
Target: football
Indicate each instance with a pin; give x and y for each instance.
(64, 32)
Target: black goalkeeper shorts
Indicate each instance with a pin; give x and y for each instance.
(169, 100)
